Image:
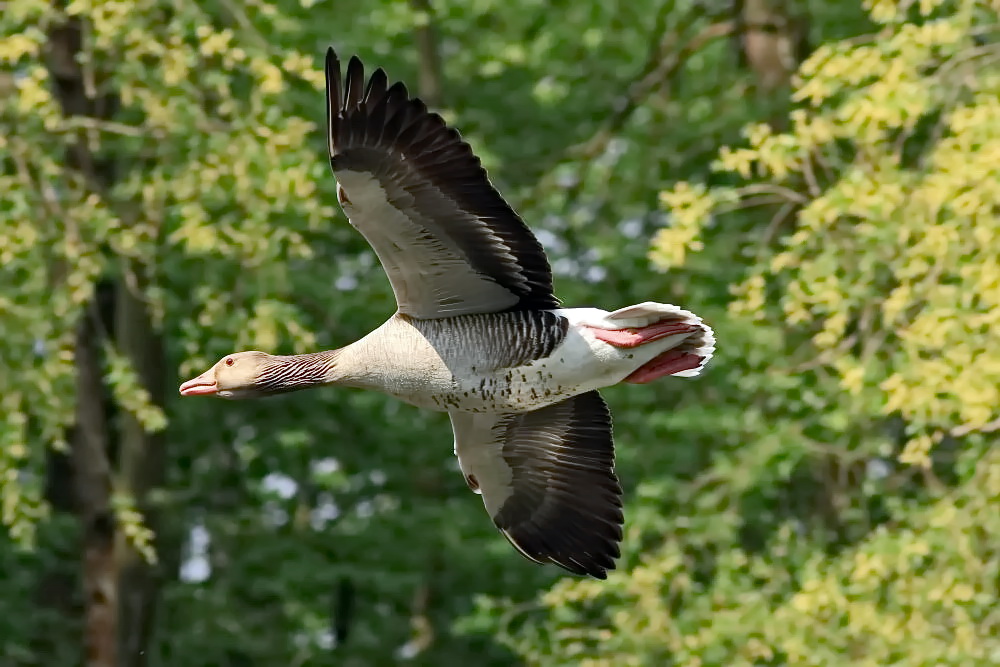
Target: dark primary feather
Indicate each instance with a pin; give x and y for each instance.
(355, 83)
(566, 505)
(427, 166)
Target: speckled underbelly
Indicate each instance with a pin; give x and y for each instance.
(507, 390)
(519, 389)
(488, 396)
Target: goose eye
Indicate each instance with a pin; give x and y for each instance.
(472, 482)
(229, 361)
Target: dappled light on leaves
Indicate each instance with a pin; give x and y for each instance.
(892, 263)
(827, 492)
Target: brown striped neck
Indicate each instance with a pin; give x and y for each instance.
(281, 374)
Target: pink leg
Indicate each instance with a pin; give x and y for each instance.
(636, 337)
(668, 363)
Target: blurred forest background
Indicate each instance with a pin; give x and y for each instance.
(820, 180)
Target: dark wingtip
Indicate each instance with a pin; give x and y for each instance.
(594, 561)
(586, 569)
(378, 83)
(579, 526)
(354, 83)
(332, 100)
(333, 75)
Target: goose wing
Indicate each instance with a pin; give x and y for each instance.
(547, 479)
(446, 238)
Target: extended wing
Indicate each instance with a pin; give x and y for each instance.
(547, 479)
(446, 238)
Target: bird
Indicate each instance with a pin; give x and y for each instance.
(478, 332)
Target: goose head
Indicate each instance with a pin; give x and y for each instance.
(239, 375)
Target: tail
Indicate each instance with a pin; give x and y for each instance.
(701, 342)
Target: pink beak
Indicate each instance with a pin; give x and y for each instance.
(202, 385)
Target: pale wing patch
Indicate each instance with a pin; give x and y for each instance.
(480, 456)
(430, 275)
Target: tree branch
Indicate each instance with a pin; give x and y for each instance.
(784, 193)
(663, 63)
(667, 55)
(966, 429)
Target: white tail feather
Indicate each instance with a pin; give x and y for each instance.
(648, 312)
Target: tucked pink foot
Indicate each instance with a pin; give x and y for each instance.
(668, 363)
(636, 337)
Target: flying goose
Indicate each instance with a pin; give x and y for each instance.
(478, 332)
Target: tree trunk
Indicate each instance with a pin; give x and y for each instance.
(142, 465)
(91, 444)
(120, 587)
(772, 42)
(429, 78)
(92, 471)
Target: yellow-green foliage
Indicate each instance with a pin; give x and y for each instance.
(892, 162)
(220, 165)
(921, 593)
(889, 268)
(768, 519)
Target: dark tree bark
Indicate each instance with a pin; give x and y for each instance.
(342, 610)
(771, 41)
(430, 80)
(142, 464)
(92, 472)
(91, 439)
(120, 589)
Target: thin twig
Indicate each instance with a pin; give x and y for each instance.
(240, 16)
(666, 57)
(73, 123)
(662, 65)
(756, 201)
(772, 228)
(826, 357)
(810, 175)
(89, 78)
(977, 54)
(787, 194)
(966, 429)
(46, 193)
